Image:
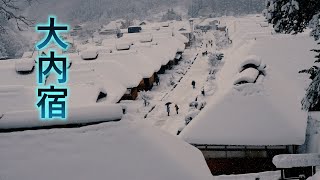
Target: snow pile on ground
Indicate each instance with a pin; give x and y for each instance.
(262, 176)
(118, 151)
(296, 160)
(315, 177)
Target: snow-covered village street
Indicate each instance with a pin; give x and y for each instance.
(203, 98)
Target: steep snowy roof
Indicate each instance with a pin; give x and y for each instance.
(18, 106)
(94, 83)
(113, 25)
(155, 55)
(265, 113)
(111, 70)
(76, 115)
(24, 65)
(89, 54)
(17, 72)
(133, 61)
(10, 95)
(120, 150)
(181, 37)
(170, 46)
(146, 38)
(251, 114)
(123, 46)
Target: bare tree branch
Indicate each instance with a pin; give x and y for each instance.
(10, 10)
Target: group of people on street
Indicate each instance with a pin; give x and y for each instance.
(193, 83)
(168, 108)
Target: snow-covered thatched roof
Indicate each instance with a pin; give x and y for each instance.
(181, 37)
(250, 114)
(17, 72)
(113, 25)
(265, 113)
(123, 46)
(76, 115)
(89, 54)
(132, 61)
(120, 150)
(93, 83)
(110, 70)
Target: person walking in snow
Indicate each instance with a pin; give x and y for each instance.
(193, 83)
(145, 102)
(157, 81)
(202, 92)
(168, 110)
(177, 108)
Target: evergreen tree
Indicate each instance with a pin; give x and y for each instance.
(294, 16)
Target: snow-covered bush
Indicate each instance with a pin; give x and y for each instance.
(211, 77)
(215, 59)
(145, 95)
(181, 71)
(311, 100)
(191, 115)
(3, 51)
(315, 26)
(12, 44)
(172, 81)
(209, 88)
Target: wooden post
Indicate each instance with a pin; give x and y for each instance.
(314, 170)
(282, 174)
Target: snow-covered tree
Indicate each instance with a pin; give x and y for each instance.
(10, 10)
(128, 22)
(214, 59)
(3, 51)
(224, 7)
(294, 16)
(171, 15)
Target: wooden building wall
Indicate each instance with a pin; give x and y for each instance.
(242, 159)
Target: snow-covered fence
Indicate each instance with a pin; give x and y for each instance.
(304, 163)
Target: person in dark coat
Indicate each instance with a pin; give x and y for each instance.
(168, 110)
(157, 81)
(193, 83)
(177, 108)
(202, 92)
